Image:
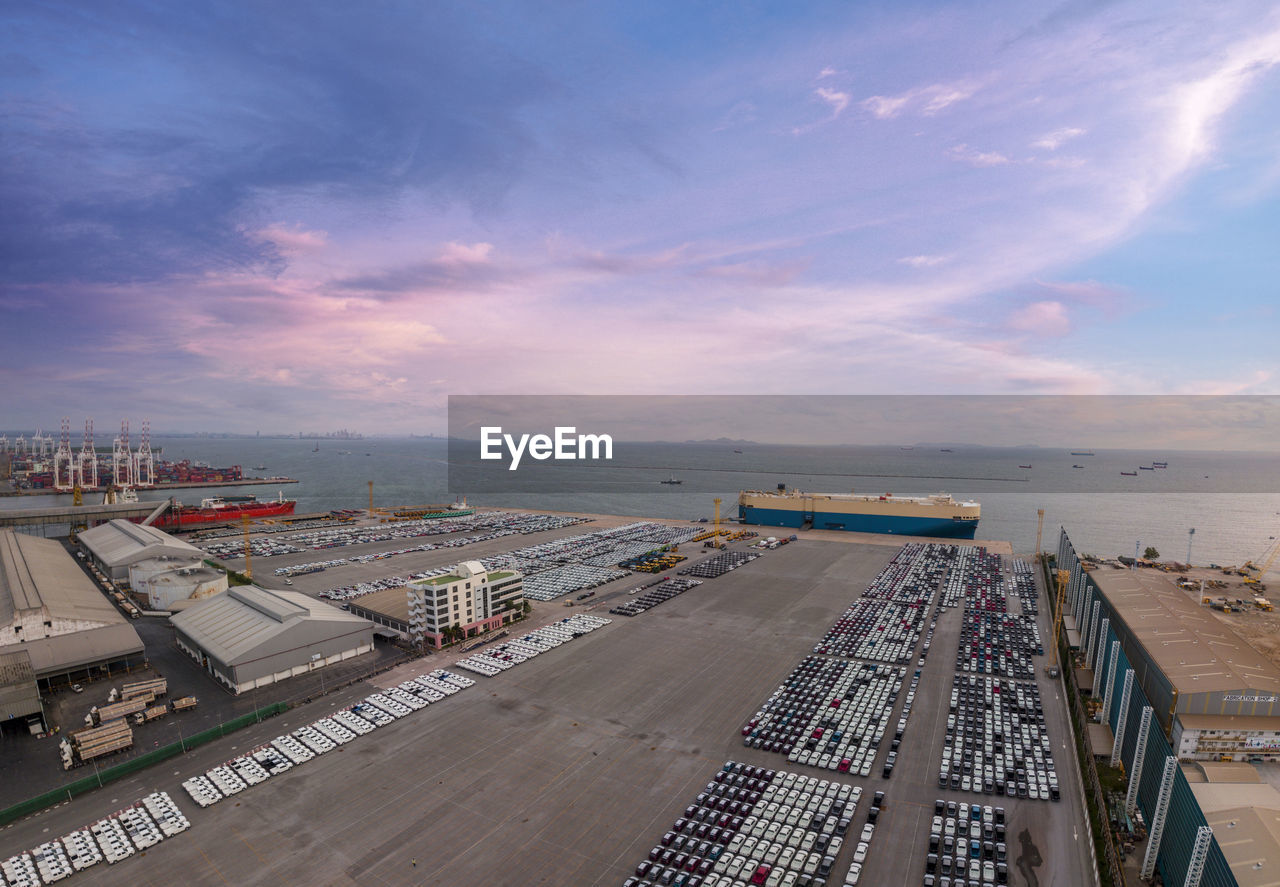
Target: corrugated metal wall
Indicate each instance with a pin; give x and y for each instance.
(1184, 817)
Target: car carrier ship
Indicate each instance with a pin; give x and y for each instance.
(935, 515)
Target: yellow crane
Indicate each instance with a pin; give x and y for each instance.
(248, 565)
(1039, 528)
(1061, 576)
(371, 497)
(1260, 570)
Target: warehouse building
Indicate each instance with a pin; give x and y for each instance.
(1156, 665)
(1244, 812)
(171, 583)
(118, 544)
(251, 637)
(55, 625)
(1213, 694)
(469, 600)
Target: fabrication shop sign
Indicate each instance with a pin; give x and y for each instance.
(1239, 697)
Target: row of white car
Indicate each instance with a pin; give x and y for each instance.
(559, 581)
(788, 831)
(117, 837)
(511, 653)
(323, 735)
(492, 525)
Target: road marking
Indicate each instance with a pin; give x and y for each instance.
(212, 866)
(1075, 835)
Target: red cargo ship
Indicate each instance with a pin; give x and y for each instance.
(220, 510)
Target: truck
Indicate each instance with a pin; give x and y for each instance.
(99, 716)
(154, 686)
(150, 714)
(184, 703)
(95, 742)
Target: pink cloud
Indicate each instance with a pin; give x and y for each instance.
(1042, 319)
(835, 98)
(466, 254)
(293, 240)
(924, 261)
(977, 158)
(1053, 140)
(1109, 298)
(924, 100)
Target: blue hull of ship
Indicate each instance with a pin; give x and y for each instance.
(861, 523)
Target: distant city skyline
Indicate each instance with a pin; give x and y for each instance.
(1163, 422)
(255, 216)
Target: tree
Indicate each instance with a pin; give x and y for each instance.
(1151, 554)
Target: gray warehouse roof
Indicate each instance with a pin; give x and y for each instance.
(120, 542)
(38, 574)
(249, 622)
(80, 626)
(1196, 651)
(19, 694)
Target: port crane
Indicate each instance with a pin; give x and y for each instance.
(1255, 572)
(1052, 667)
(248, 564)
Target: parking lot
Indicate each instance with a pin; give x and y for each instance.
(568, 769)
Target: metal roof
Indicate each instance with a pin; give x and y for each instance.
(1229, 722)
(238, 626)
(1250, 840)
(38, 574)
(19, 695)
(120, 542)
(1196, 651)
(69, 652)
(393, 603)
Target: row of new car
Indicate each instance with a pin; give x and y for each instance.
(492, 524)
(971, 571)
(846, 733)
(996, 740)
(525, 647)
(117, 837)
(234, 548)
(559, 581)
(654, 596)
(998, 643)
(282, 753)
(1024, 587)
(886, 621)
(966, 846)
(783, 720)
(720, 564)
(752, 825)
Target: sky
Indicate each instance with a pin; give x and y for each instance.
(285, 216)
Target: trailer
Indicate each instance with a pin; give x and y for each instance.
(155, 686)
(98, 716)
(151, 714)
(95, 742)
(184, 703)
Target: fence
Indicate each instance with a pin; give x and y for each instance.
(133, 765)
